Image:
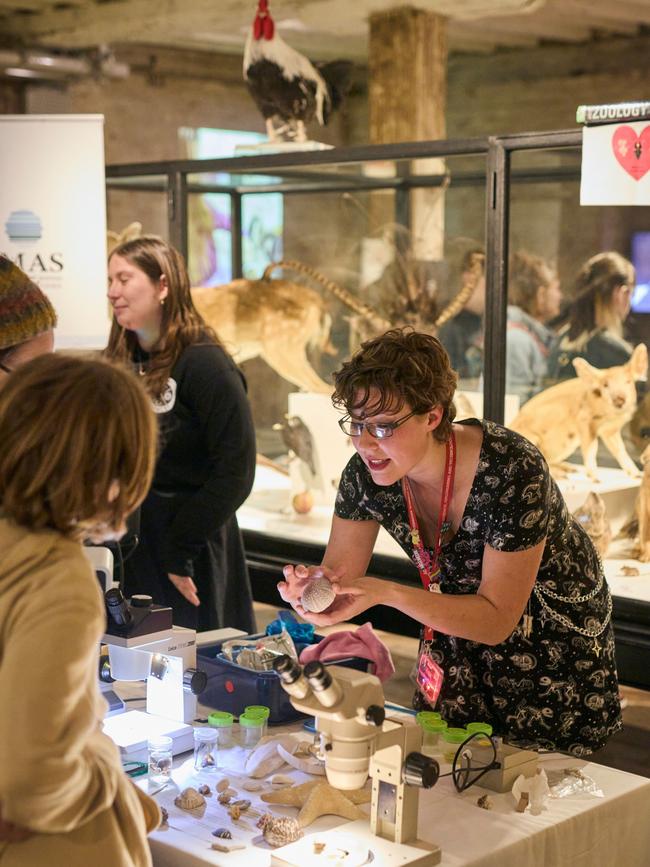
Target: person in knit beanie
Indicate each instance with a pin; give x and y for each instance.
(27, 319)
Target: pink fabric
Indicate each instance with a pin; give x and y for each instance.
(360, 642)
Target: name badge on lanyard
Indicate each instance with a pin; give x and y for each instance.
(429, 674)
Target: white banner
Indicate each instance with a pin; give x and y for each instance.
(616, 164)
(53, 217)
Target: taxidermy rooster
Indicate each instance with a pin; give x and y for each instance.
(287, 87)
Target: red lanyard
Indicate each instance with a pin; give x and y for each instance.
(428, 565)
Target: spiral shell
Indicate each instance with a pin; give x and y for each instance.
(317, 595)
(189, 799)
(204, 789)
(223, 833)
(279, 830)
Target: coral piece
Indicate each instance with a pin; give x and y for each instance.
(531, 790)
(318, 798)
(317, 595)
(204, 789)
(264, 758)
(227, 846)
(222, 832)
(279, 830)
(302, 760)
(189, 799)
(484, 802)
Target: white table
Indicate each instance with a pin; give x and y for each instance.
(576, 831)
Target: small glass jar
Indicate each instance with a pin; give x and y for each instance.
(432, 729)
(450, 740)
(222, 722)
(160, 759)
(250, 729)
(206, 749)
(259, 710)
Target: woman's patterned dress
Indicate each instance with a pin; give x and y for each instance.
(557, 688)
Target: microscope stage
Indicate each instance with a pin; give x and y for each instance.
(353, 845)
(131, 731)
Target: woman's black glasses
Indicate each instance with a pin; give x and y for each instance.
(470, 765)
(379, 430)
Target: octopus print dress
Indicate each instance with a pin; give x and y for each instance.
(554, 686)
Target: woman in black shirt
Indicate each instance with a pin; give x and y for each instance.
(190, 554)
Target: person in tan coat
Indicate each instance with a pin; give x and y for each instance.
(78, 450)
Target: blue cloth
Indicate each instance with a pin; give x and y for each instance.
(301, 633)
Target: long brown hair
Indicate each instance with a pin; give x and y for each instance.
(181, 325)
(404, 366)
(78, 445)
(594, 287)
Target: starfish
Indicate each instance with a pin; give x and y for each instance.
(318, 798)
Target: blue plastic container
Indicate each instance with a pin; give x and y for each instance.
(231, 687)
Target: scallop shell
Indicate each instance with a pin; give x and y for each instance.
(317, 595)
(223, 833)
(279, 830)
(222, 785)
(189, 799)
(204, 789)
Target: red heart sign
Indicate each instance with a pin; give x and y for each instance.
(632, 150)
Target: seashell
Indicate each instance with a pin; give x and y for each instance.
(242, 803)
(234, 812)
(224, 798)
(280, 780)
(264, 758)
(252, 786)
(317, 595)
(189, 799)
(204, 789)
(165, 816)
(222, 832)
(484, 802)
(279, 830)
(222, 785)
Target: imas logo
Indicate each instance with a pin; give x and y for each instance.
(23, 226)
(24, 229)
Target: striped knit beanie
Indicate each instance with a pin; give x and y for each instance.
(25, 312)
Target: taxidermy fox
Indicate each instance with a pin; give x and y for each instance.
(597, 403)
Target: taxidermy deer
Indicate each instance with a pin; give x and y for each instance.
(597, 403)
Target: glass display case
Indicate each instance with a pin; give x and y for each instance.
(414, 233)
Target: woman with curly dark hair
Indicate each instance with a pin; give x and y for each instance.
(519, 628)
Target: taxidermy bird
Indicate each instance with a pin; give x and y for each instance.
(297, 438)
(287, 87)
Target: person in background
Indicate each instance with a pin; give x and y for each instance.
(78, 451)
(600, 306)
(27, 319)
(520, 626)
(535, 297)
(190, 554)
(462, 336)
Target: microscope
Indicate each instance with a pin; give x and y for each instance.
(357, 741)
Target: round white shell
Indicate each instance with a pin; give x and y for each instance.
(317, 595)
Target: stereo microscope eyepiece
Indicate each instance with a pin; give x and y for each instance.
(117, 607)
(326, 689)
(291, 675)
(421, 770)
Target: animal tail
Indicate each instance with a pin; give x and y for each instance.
(338, 77)
(339, 292)
(475, 272)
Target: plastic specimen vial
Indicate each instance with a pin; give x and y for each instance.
(432, 729)
(450, 740)
(259, 710)
(222, 722)
(206, 747)
(250, 729)
(160, 758)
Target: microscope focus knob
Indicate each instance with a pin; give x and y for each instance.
(141, 600)
(421, 770)
(375, 715)
(194, 680)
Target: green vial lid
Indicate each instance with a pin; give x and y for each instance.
(455, 736)
(258, 710)
(433, 726)
(423, 715)
(484, 728)
(220, 719)
(249, 721)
